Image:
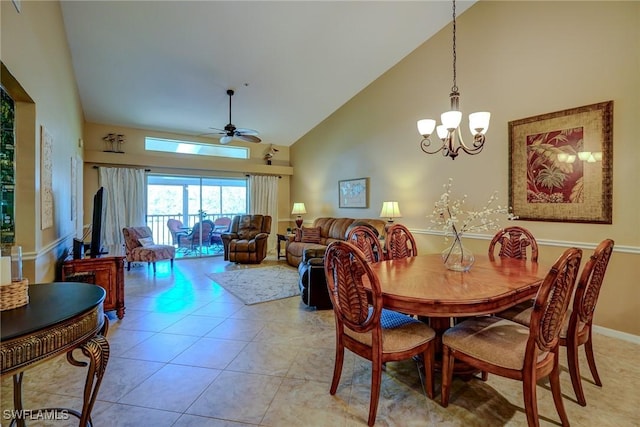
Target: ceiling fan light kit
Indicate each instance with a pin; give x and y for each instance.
(230, 131)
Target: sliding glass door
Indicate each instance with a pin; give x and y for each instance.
(187, 211)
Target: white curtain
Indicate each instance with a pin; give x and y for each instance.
(263, 199)
(124, 204)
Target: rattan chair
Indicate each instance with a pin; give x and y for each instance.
(363, 327)
(509, 349)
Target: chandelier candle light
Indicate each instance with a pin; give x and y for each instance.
(298, 209)
(449, 130)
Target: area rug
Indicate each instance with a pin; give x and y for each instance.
(258, 284)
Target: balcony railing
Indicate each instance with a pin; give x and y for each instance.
(161, 233)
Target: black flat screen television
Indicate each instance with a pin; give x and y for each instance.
(95, 247)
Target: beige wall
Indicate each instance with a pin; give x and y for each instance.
(513, 64)
(40, 77)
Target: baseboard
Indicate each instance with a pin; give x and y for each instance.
(617, 334)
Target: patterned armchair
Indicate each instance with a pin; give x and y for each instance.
(138, 242)
(246, 241)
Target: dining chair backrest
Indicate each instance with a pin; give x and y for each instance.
(365, 239)
(400, 243)
(345, 267)
(552, 302)
(513, 243)
(588, 289)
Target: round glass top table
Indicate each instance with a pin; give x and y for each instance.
(59, 318)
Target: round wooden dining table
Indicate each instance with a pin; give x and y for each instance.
(423, 286)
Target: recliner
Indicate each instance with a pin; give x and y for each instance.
(246, 241)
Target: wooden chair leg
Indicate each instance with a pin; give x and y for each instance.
(154, 267)
(128, 265)
(337, 368)
(428, 363)
(447, 373)
(530, 399)
(171, 263)
(574, 371)
(588, 348)
(554, 379)
(376, 381)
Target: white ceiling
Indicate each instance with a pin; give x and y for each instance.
(166, 65)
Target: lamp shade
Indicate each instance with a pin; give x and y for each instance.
(426, 127)
(298, 209)
(390, 210)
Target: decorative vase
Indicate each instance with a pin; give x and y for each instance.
(457, 257)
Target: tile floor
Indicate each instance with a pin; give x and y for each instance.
(188, 353)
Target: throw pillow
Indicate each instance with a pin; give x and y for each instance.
(146, 241)
(310, 235)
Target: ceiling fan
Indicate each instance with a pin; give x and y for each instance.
(230, 131)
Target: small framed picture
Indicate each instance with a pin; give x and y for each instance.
(353, 193)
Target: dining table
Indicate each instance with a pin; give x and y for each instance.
(424, 287)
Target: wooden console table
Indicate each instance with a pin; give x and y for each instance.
(59, 318)
(109, 274)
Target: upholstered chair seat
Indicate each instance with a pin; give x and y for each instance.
(139, 247)
(246, 241)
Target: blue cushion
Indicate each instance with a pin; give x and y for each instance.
(390, 319)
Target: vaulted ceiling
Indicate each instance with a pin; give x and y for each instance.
(166, 65)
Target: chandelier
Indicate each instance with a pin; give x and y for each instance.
(449, 130)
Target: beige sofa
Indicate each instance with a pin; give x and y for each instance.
(331, 229)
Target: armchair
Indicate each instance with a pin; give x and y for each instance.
(246, 241)
(139, 246)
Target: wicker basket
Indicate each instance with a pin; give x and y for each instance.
(14, 295)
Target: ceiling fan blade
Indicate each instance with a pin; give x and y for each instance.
(225, 139)
(245, 131)
(248, 138)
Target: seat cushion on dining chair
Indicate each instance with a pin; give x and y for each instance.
(491, 339)
(519, 313)
(399, 332)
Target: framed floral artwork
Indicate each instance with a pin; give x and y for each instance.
(353, 193)
(560, 165)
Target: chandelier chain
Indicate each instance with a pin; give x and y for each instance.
(454, 88)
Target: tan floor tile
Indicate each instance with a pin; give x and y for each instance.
(211, 353)
(237, 396)
(172, 388)
(194, 325)
(160, 347)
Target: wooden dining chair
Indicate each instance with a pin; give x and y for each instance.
(577, 327)
(365, 328)
(400, 243)
(513, 243)
(366, 240)
(509, 349)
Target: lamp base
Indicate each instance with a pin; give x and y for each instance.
(299, 221)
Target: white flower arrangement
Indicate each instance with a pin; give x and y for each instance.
(450, 215)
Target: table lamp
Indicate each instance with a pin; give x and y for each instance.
(390, 210)
(298, 209)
